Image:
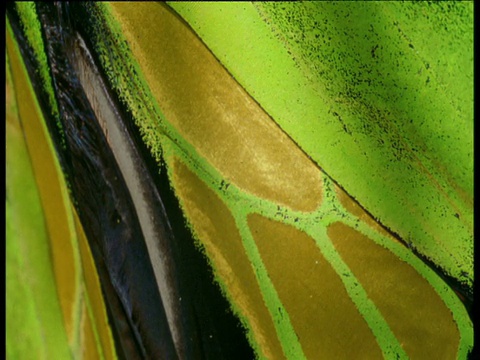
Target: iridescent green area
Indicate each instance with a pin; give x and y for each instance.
(379, 94)
(128, 62)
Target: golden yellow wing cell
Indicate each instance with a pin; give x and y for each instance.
(325, 319)
(215, 227)
(213, 112)
(416, 314)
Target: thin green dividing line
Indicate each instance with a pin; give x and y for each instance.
(285, 331)
(386, 340)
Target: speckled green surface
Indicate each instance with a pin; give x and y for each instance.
(31, 26)
(379, 94)
(354, 150)
(131, 88)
